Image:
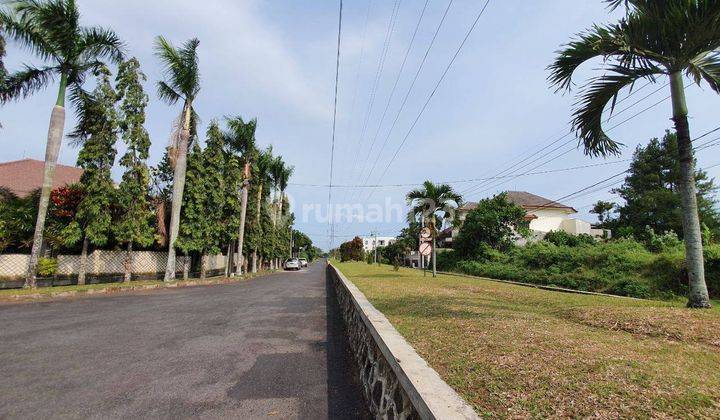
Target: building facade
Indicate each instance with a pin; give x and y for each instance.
(372, 242)
(543, 214)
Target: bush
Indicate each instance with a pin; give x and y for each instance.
(352, 250)
(660, 243)
(562, 238)
(47, 267)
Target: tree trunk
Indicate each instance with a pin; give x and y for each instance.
(259, 228)
(178, 189)
(203, 266)
(52, 149)
(698, 293)
(243, 213)
(254, 261)
(83, 262)
(128, 263)
(186, 266)
(244, 263)
(434, 257)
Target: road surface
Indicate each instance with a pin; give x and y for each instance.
(271, 347)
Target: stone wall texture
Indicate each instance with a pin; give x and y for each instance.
(383, 392)
(397, 382)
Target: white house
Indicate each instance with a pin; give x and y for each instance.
(544, 216)
(372, 242)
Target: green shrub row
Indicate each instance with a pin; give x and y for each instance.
(623, 267)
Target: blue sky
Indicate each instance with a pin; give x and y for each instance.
(275, 60)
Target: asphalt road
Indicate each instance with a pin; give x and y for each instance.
(271, 347)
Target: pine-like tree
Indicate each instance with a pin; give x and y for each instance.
(97, 131)
(201, 229)
(134, 212)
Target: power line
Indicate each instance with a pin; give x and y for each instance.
(394, 88)
(332, 147)
(569, 133)
(437, 85)
(474, 189)
(459, 181)
(378, 75)
(412, 84)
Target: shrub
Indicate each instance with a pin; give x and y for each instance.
(47, 267)
(660, 243)
(352, 250)
(562, 238)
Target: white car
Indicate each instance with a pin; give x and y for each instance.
(303, 262)
(292, 264)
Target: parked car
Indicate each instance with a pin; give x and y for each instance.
(292, 264)
(303, 262)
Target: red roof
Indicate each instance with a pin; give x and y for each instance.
(24, 176)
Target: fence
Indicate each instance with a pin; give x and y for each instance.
(102, 266)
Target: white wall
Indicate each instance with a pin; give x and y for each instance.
(382, 241)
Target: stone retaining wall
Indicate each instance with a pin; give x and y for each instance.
(397, 382)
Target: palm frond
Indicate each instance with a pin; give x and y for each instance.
(23, 30)
(98, 43)
(593, 101)
(599, 41)
(180, 66)
(167, 94)
(24, 83)
(706, 67)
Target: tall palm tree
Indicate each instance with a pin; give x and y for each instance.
(277, 167)
(240, 136)
(51, 29)
(182, 73)
(262, 176)
(655, 39)
(283, 184)
(433, 202)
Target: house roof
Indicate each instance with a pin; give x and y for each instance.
(24, 176)
(527, 201)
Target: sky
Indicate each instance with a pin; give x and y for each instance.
(275, 61)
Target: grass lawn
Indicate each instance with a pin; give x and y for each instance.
(514, 351)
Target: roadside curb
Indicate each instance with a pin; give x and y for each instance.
(539, 286)
(113, 289)
(398, 383)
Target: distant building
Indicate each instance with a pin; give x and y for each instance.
(372, 242)
(22, 177)
(543, 214)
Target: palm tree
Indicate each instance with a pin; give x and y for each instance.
(277, 168)
(51, 29)
(182, 83)
(283, 184)
(262, 175)
(655, 39)
(433, 202)
(241, 139)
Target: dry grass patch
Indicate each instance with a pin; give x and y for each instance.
(514, 351)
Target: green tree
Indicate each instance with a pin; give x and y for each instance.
(240, 139)
(262, 182)
(202, 229)
(134, 214)
(352, 250)
(651, 192)
(430, 201)
(182, 72)
(655, 39)
(97, 131)
(51, 29)
(495, 223)
(604, 210)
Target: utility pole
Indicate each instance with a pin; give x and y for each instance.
(375, 246)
